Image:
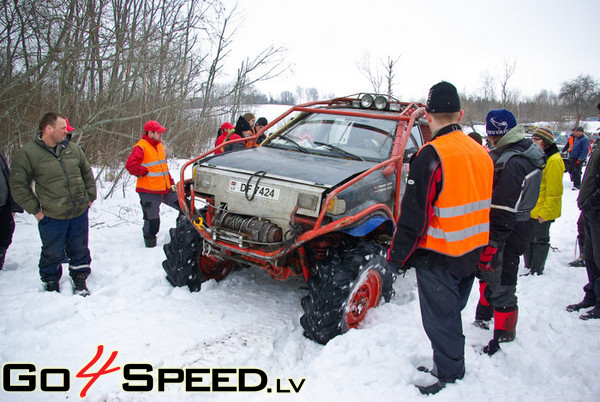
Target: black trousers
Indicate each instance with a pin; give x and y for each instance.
(7, 226)
(592, 254)
(537, 251)
(151, 210)
(502, 282)
(443, 296)
(576, 173)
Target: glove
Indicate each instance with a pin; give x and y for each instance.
(396, 267)
(485, 259)
(173, 188)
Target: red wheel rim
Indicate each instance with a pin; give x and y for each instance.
(217, 270)
(365, 296)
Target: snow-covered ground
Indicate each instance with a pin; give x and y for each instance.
(251, 321)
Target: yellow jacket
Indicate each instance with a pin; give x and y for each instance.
(549, 202)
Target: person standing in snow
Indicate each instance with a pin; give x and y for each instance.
(577, 156)
(518, 164)
(548, 207)
(443, 225)
(155, 185)
(52, 180)
(8, 208)
(588, 202)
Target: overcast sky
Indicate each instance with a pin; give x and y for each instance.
(459, 40)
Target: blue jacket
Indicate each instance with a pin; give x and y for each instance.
(581, 147)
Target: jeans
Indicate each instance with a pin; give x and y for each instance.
(64, 240)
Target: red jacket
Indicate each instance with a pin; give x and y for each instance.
(221, 139)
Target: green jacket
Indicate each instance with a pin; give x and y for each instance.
(551, 190)
(60, 182)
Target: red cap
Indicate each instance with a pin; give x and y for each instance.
(153, 125)
(226, 125)
(69, 128)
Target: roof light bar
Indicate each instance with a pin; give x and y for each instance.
(366, 101)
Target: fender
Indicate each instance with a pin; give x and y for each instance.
(369, 225)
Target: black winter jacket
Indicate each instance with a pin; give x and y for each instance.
(10, 202)
(516, 183)
(589, 195)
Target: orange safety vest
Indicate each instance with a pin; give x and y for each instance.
(155, 161)
(571, 141)
(461, 213)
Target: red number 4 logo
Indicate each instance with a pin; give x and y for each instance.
(94, 376)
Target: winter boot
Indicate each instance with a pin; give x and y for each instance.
(491, 347)
(150, 241)
(593, 314)
(2, 256)
(577, 263)
(585, 303)
(505, 324)
(484, 311)
(149, 230)
(52, 286)
(431, 389)
(79, 286)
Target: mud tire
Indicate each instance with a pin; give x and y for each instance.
(354, 281)
(185, 266)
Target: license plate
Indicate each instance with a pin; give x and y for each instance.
(270, 193)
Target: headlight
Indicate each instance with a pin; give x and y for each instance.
(202, 180)
(336, 206)
(380, 103)
(366, 101)
(308, 201)
(394, 107)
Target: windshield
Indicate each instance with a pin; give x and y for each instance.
(349, 137)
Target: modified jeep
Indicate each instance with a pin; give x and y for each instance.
(319, 198)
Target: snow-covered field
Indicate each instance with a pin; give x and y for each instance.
(252, 321)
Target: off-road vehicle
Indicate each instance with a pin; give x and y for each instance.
(319, 198)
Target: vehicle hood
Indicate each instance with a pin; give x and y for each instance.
(313, 169)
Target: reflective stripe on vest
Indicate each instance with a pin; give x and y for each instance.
(157, 178)
(461, 213)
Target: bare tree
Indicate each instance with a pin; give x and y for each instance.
(107, 64)
(487, 86)
(580, 95)
(509, 69)
(265, 65)
(312, 94)
(287, 98)
(390, 74)
(374, 76)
